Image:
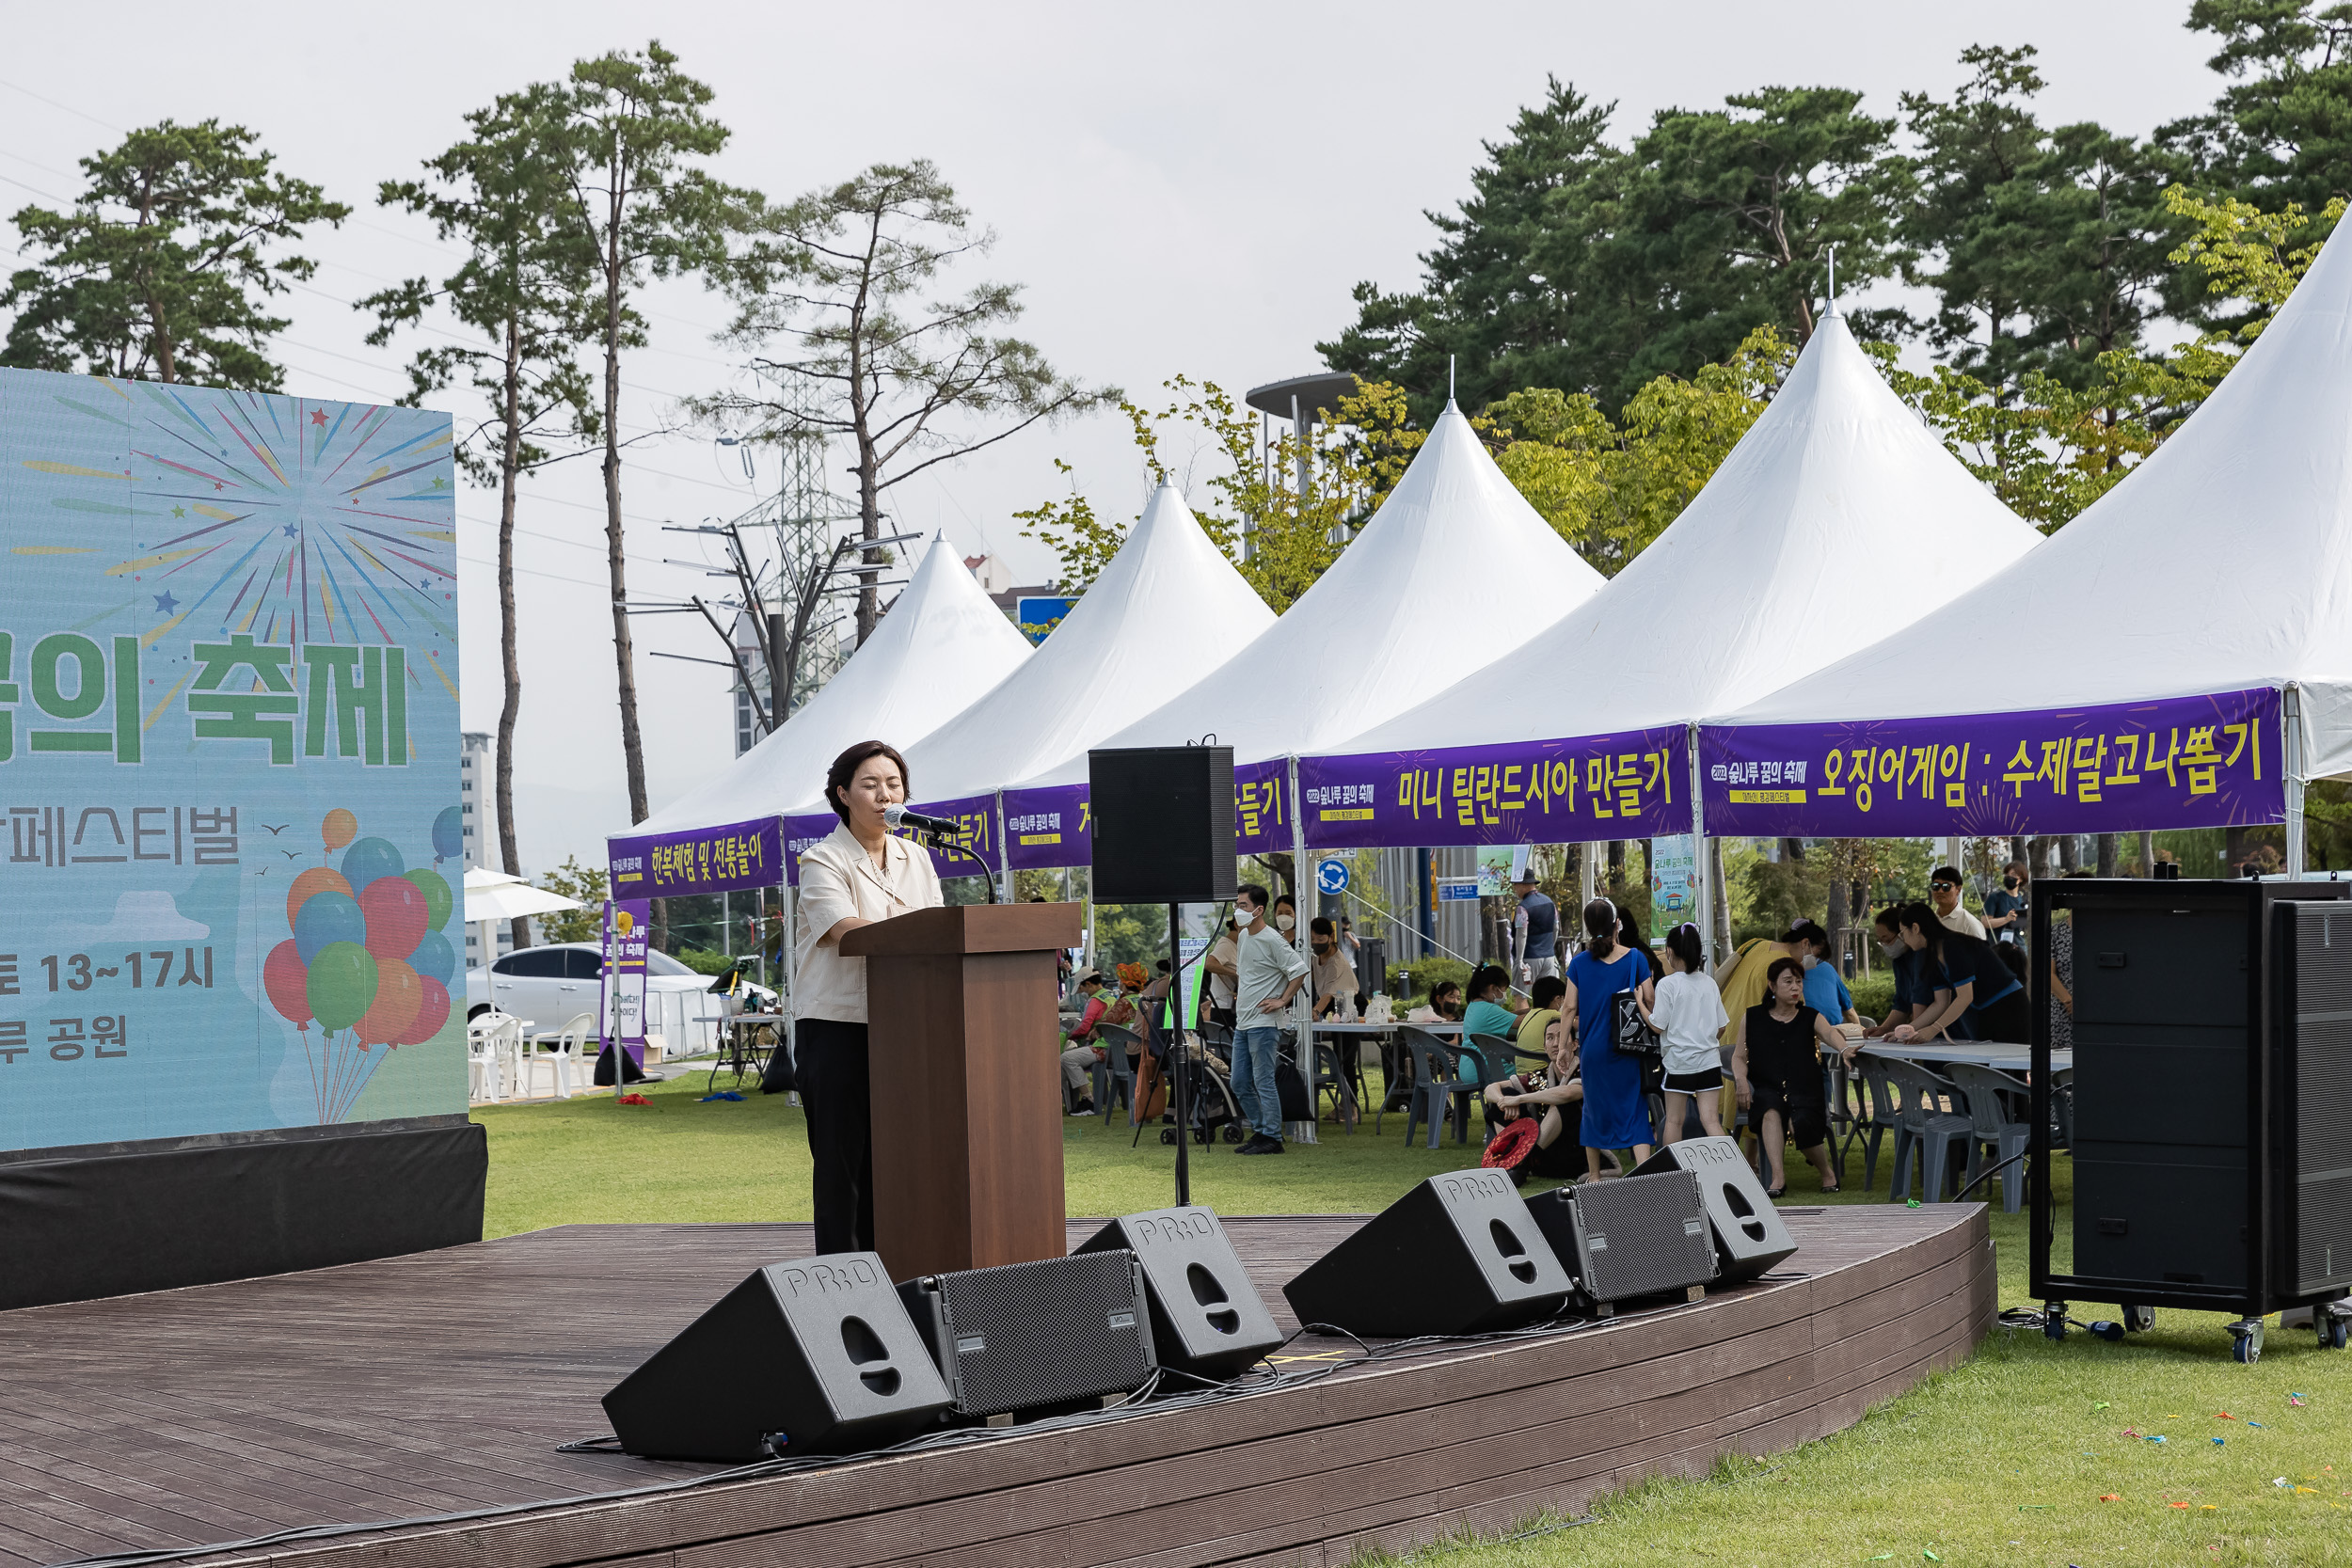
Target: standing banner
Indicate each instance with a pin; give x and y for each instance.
(2183, 762)
(1674, 881)
(622, 1008)
(228, 729)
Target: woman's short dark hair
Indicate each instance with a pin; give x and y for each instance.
(845, 769)
(1887, 918)
(1683, 943)
(1780, 967)
(1550, 992)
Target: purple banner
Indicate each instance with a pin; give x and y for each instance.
(1261, 813)
(1631, 785)
(978, 812)
(1047, 829)
(2183, 762)
(697, 860)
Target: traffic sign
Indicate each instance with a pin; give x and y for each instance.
(1332, 876)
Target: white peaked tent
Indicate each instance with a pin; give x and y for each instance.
(943, 644)
(1837, 520)
(2223, 562)
(1168, 608)
(1454, 568)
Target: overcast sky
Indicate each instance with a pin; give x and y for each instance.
(1183, 191)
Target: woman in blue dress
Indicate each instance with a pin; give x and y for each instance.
(1615, 1117)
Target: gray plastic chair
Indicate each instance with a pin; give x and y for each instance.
(1987, 1094)
(1878, 1099)
(1438, 1087)
(1115, 1072)
(1923, 1130)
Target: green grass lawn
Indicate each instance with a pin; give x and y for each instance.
(2003, 1459)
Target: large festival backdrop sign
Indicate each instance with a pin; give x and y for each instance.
(229, 738)
(1631, 785)
(2183, 762)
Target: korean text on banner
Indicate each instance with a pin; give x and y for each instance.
(2185, 762)
(1629, 785)
(1048, 828)
(699, 860)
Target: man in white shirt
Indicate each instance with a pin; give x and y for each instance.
(1269, 972)
(1944, 891)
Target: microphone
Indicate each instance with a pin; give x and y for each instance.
(898, 817)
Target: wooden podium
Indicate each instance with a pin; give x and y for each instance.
(959, 1005)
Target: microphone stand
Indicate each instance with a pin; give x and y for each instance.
(956, 843)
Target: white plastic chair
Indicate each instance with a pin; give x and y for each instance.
(484, 1062)
(561, 1050)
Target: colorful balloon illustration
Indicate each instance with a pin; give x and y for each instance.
(342, 982)
(369, 858)
(432, 1011)
(395, 911)
(439, 900)
(319, 879)
(284, 976)
(435, 958)
(448, 835)
(325, 918)
(398, 994)
(338, 829)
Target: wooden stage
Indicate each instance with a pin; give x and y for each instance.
(441, 1383)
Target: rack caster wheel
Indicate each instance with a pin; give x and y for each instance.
(2054, 1319)
(2137, 1319)
(2245, 1341)
(2334, 1331)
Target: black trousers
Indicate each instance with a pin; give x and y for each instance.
(830, 1064)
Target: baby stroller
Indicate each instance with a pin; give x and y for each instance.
(1209, 1102)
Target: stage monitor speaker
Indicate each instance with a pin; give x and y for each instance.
(1750, 1238)
(1636, 1236)
(1207, 1318)
(809, 1358)
(1055, 1334)
(1459, 1254)
(1162, 824)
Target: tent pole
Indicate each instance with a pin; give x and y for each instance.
(1004, 855)
(2292, 710)
(1303, 1007)
(1706, 872)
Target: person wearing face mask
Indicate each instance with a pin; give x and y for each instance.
(1285, 917)
(1334, 981)
(1271, 972)
(2006, 910)
(1825, 990)
(1913, 996)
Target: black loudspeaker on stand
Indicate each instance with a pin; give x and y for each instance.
(1750, 1238)
(811, 1357)
(1056, 1334)
(1207, 1318)
(1459, 1254)
(1636, 1236)
(1163, 833)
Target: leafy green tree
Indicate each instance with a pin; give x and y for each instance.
(1280, 540)
(1510, 295)
(524, 288)
(160, 270)
(2282, 126)
(1611, 488)
(587, 885)
(637, 129)
(851, 279)
(1731, 213)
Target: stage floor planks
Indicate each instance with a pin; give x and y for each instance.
(441, 1383)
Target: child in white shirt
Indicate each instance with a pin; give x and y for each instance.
(1688, 1012)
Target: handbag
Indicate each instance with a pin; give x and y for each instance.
(1628, 1036)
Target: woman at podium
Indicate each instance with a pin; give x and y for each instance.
(854, 876)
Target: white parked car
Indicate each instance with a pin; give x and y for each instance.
(548, 987)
